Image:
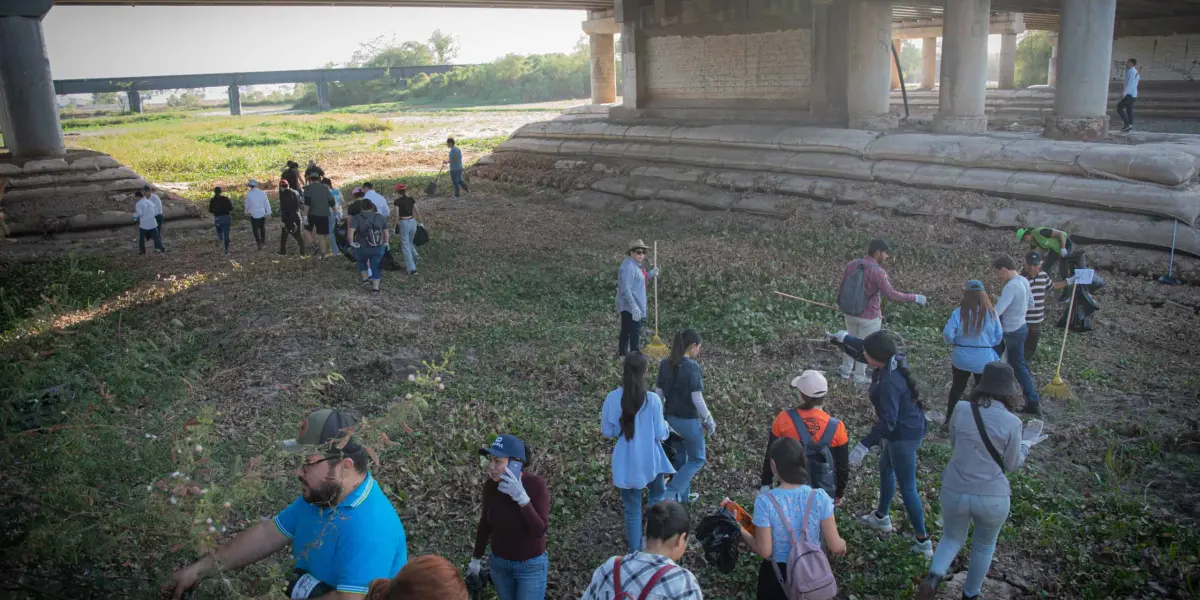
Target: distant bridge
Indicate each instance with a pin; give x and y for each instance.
(134, 85)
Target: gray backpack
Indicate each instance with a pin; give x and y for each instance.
(820, 459)
(809, 576)
(852, 296)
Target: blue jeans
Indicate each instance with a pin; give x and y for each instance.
(958, 511)
(632, 499)
(689, 454)
(1014, 344)
(370, 257)
(457, 180)
(223, 224)
(152, 234)
(333, 247)
(898, 462)
(520, 579)
(408, 228)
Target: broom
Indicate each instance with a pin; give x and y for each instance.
(656, 348)
(1058, 389)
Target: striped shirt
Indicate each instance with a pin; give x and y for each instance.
(636, 571)
(876, 282)
(1039, 285)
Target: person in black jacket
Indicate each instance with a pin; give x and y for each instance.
(221, 207)
(289, 214)
(291, 173)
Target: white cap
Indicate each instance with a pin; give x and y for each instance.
(811, 383)
(253, 183)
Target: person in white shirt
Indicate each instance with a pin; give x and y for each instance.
(381, 203)
(1129, 95)
(258, 206)
(1014, 303)
(143, 213)
(158, 209)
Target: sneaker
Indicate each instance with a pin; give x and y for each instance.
(874, 522)
(929, 586)
(924, 548)
(694, 496)
(862, 380)
(1127, 129)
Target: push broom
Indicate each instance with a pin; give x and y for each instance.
(656, 348)
(1057, 389)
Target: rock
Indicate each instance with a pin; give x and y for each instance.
(77, 221)
(45, 164)
(94, 162)
(176, 323)
(9, 169)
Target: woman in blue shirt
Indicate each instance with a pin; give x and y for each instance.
(681, 384)
(635, 417)
(974, 331)
(794, 497)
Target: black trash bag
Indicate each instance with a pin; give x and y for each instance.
(1081, 315)
(721, 537)
(421, 237)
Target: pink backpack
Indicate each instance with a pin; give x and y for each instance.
(808, 574)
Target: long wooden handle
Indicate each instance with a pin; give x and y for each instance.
(656, 288)
(807, 300)
(1062, 351)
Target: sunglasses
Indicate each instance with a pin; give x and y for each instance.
(639, 252)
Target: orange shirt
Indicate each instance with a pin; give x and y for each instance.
(816, 420)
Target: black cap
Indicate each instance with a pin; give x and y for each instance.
(877, 245)
(1033, 258)
(146, 187)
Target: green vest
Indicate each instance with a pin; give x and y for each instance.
(1046, 243)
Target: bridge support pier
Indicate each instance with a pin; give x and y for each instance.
(30, 110)
(135, 101)
(323, 95)
(600, 27)
(1052, 71)
(963, 93)
(235, 100)
(867, 93)
(1085, 57)
(928, 63)
(1008, 61)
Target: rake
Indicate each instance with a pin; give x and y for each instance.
(1057, 389)
(656, 348)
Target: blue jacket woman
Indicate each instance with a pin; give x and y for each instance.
(974, 331)
(899, 428)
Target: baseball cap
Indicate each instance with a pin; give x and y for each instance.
(811, 383)
(253, 183)
(506, 446)
(975, 285)
(400, 187)
(1021, 233)
(146, 187)
(322, 432)
(1033, 258)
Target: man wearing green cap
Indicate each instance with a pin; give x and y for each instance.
(1054, 244)
(343, 530)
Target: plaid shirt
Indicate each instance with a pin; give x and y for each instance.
(876, 282)
(636, 571)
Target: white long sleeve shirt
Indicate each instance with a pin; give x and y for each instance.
(144, 212)
(1015, 301)
(258, 205)
(1132, 77)
(154, 199)
(381, 203)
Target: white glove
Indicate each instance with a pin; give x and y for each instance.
(858, 454)
(710, 424)
(512, 486)
(653, 273)
(921, 300)
(636, 314)
(1032, 434)
(1071, 280)
(473, 567)
(839, 336)
(1063, 252)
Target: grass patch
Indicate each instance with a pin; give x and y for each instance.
(35, 292)
(73, 124)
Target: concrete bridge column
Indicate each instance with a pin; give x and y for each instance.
(1008, 61)
(928, 63)
(323, 95)
(869, 51)
(600, 29)
(31, 128)
(963, 93)
(1085, 60)
(135, 101)
(1052, 72)
(235, 101)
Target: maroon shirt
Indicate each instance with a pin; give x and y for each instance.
(876, 282)
(515, 532)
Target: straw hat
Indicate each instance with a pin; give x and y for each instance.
(636, 244)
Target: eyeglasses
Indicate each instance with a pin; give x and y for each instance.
(642, 252)
(305, 465)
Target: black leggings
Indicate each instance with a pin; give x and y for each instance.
(768, 583)
(958, 385)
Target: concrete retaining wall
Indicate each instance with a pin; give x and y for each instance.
(1160, 57)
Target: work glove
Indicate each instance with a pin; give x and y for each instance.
(1063, 252)
(1071, 280)
(858, 454)
(839, 336)
(653, 273)
(473, 568)
(512, 486)
(710, 424)
(1032, 434)
(636, 314)
(921, 300)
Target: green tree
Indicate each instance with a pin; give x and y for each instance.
(1033, 59)
(105, 98)
(444, 47)
(408, 54)
(910, 61)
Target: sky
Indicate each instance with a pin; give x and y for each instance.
(124, 41)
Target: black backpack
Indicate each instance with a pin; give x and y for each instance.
(852, 296)
(372, 236)
(820, 459)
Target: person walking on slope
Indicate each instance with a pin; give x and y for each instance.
(1015, 301)
(514, 520)
(381, 203)
(158, 208)
(681, 382)
(291, 174)
(456, 167)
(974, 331)
(143, 213)
(407, 218)
(289, 214)
(653, 573)
(793, 510)
(313, 171)
(1129, 95)
(987, 442)
(631, 297)
(369, 236)
(899, 429)
(335, 214)
(258, 207)
(863, 282)
(826, 444)
(221, 208)
(318, 200)
(635, 418)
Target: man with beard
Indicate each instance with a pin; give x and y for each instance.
(343, 530)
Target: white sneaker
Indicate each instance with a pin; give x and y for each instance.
(925, 548)
(876, 523)
(862, 380)
(844, 374)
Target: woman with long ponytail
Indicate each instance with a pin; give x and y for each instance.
(681, 382)
(635, 418)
